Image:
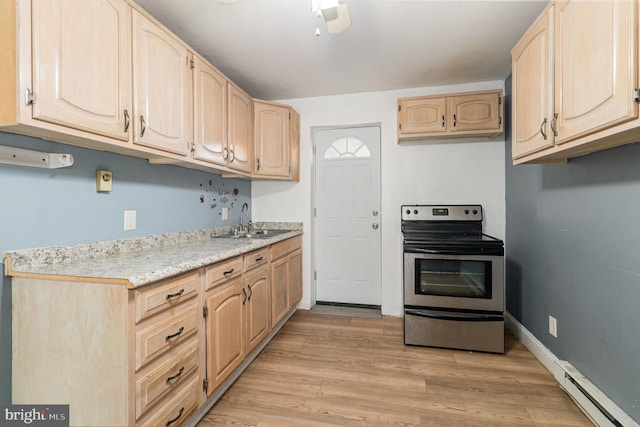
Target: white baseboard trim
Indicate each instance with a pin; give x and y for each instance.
(601, 410)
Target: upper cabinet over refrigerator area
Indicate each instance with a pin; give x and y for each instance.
(575, 81)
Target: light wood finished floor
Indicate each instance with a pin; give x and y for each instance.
(324, 371)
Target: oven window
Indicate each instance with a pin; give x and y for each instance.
(455, 278)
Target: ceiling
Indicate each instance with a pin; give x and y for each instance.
(269, 47)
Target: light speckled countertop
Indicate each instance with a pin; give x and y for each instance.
(139, 261)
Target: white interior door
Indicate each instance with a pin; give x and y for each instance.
(347, 215)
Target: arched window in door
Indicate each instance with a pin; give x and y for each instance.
(346, 149)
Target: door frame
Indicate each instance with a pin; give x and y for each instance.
(314, 166)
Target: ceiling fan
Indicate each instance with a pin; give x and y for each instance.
(335, 14)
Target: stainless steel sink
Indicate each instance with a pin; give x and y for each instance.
(256, 234)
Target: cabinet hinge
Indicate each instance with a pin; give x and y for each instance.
(289, 169)
(192, 64)
(636, 95)
(205, 385)
(289, 115)
(399, 108)
(499, 120)
(499, 100)
(315, 211)
(30, 97)
(205, 311)
(315, 275)
(400, 126)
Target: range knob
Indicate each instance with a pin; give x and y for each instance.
(408, 211)
(415, 211)
(466, 211)
(475, 211)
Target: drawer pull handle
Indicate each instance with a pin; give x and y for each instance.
(173, 377)
(177, 294)
(176, 418)
(226, 273)
(176, 334)
(259, 259)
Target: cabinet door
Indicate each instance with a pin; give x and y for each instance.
(532, 82)
(82, 65)
(258, 312)
(294, 145)
(475, 112)
(595, 65)
(279, 289)
(422, 116)
(295, 277)
(240, 124)
(271, 130)
(225, 331)
(162, 89)
(210, 113)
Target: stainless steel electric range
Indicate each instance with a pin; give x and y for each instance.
(453, 279)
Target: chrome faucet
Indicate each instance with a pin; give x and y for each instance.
(244, 211)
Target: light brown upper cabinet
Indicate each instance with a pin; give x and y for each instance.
(240, 125)
(271, 139)
(105, 75)
(73, 66)
(575, 81)
(162, 88)
(452, 115)
(82, 65)
(294, 140)
(210, 113)
(532, 81)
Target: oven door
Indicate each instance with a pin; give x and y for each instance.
(461, 282)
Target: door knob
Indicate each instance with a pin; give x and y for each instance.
(375, 226)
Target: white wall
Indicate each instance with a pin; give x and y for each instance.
(451, 171)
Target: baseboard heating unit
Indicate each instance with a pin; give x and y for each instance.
(598, 407)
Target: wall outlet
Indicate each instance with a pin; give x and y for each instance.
(553, 326)
(225, 214)
(129, 220)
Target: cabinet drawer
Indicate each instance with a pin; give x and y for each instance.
(256, 258)
(167, 376)
(177, 409)
(156, 339)
(282, 248)
(153, 299)
(223, 271)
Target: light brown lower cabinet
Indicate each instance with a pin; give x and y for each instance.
(286, 277)
(225, 331)
(152, 355)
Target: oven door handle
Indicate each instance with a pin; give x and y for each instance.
(458, 317)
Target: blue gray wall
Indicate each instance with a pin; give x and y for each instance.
(49, 207)
(573, 252)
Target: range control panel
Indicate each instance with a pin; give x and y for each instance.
(441, 212)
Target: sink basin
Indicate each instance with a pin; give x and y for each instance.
(263, 234)
(256, 234)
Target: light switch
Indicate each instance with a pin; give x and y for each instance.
(225, 214)
(129, 220)
(104, 181)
